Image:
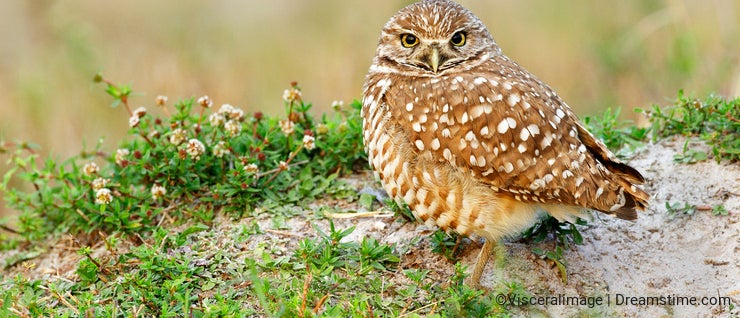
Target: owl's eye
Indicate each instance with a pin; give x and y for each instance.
(409, 40)
(458, 39)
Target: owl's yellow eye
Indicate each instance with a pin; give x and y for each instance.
(409, 40)
(458, 39)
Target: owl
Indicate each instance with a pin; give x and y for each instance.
(472, 142)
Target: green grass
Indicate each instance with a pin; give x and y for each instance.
(143, 218)
(715, 120)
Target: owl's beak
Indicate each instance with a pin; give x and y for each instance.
(434, 59)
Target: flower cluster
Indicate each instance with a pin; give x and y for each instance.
(195, 148)
(158, 191)
(217, 140)
(292, 95)
(90, 169)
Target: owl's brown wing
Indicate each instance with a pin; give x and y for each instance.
(515, 134)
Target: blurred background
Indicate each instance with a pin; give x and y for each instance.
(595, 53)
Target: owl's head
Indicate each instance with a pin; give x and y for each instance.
(433, 37)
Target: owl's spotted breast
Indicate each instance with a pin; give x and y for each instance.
(437, 192)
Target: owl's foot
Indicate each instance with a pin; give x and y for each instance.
(480, 263)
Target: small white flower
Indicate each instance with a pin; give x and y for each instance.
(195, 148)
(103, 196)
(291, 95)
(282, 165)
(226, 109)
(237, 114)
(177, 136)
(287, 126)
(161, 100)
(216, 119)
(233, 127)
(308, 142)
(252, 168)
(140, 112)
(337, 104)
(321, 129)
(133, 121)
(205, 101)
(90, 169)
(220, 149)
(121, 155)
(99, 183)
(158, 191)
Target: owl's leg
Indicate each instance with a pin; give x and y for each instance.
(480, 264)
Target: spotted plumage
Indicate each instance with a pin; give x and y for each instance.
(474, 143)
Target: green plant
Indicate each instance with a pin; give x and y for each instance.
(556, 257)
(675, 209)
(563, 232)
(719, 210)
(715, 120)
(191, 163)
(445, 244)
(615, 134)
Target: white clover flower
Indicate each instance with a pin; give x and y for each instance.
(103, 196)
(226, 109)
(233, 127)
(216, 119)
(158, 191)
(282, 165)
(291, 95)
(195, 148)
(177, 136)
(140, 112)
(220, 149)
(337, 104)
(99, 183)
(251, 168)
(133, 121)
(121, 155)
(287, 126)
(161, 100)
(308, 142)
(236, 114)
(90, 169)
(205, 101)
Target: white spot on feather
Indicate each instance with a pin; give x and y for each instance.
(435, 144)
(505, 124)
(513, 99)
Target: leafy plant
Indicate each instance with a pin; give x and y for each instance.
(675, 209)
(715, 120)
(184, 165)
(556, 257)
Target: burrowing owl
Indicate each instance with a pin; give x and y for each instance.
(474, 143)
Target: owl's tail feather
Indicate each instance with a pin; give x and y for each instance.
(626, 177)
